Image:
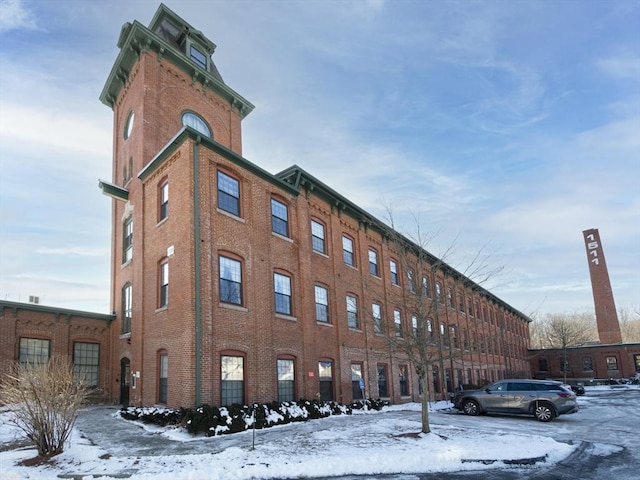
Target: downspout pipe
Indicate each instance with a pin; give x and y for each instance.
(196, 250)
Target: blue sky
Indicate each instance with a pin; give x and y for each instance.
(508, 126)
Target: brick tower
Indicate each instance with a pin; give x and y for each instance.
(606, 316)
(163, 83)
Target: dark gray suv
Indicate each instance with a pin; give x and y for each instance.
(543, 399)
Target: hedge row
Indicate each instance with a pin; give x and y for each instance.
(210, 420)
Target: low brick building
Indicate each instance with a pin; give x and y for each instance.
(31, 333)
(586, 362)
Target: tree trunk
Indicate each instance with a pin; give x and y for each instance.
(425, 404)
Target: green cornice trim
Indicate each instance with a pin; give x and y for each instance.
(135, 39)
(299, 178)
(15, 306)
(114, 191)
(186, 133)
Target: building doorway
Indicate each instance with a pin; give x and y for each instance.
(125, 381)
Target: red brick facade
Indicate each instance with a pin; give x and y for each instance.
(59, 330)
(585, 363)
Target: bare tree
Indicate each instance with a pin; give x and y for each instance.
(44, 398)
(563, 331)
(429, 342)
(629, 324)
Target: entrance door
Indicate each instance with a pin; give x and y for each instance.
(125, 381)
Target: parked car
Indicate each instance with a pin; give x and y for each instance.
(577, 388)
(543, 399)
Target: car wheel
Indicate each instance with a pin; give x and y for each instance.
(543, 412)
(470, 407)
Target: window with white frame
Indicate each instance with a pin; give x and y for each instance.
(286, 380)
(127, 307)
(373, 262)
(163, 300)
(164, 201)
(397, 320)
(127, 240)
(352, 311)
(393, 267)
(376, 313)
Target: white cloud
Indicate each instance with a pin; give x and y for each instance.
(15, 16)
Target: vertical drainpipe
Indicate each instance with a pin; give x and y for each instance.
(196, 239)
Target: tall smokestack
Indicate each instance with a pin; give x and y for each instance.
(606, 315)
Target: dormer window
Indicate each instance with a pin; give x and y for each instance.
(198, 57)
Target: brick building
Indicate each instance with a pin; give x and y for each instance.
(232, 284)
(31, 332)
(587, 362)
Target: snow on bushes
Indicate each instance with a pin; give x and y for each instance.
(211, 421)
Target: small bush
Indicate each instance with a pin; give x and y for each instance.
(45, 399)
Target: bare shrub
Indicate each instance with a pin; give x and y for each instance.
(44, 399)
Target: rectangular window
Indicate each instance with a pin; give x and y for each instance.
(127, 241)
(286, 380)
(393, 266)
(453, 336)
(347, 251)
(377, 317)
(198, 57)
(164, 200)
(636, 361)
(325, 379)
(163, 377)
(317, 237)
(404, 380)
(164, 284)
(438, 292)
(564, 365)
(612, 363)
(279, 218)
(470, 307)
(86, 363)
(228, 194)
(450, 298)
(34, 351)
(425, 287)
(432, 338)
(127, 299)
(412, 287)
(397, 320)
(373, 262)
(322, 304)
(282, 290)
(230, 280)
(444, 340)
(383, 391)
(414, 325)
(357, 383)
(587, 364)
(232, 384)
(352, 311)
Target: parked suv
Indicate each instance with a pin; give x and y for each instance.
(543, 399)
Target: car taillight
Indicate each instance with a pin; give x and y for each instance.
(565, 395)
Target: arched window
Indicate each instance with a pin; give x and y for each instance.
(196, 122)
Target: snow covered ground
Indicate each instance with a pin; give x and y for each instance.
(369, 443)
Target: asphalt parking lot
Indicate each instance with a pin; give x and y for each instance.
(606, 430)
